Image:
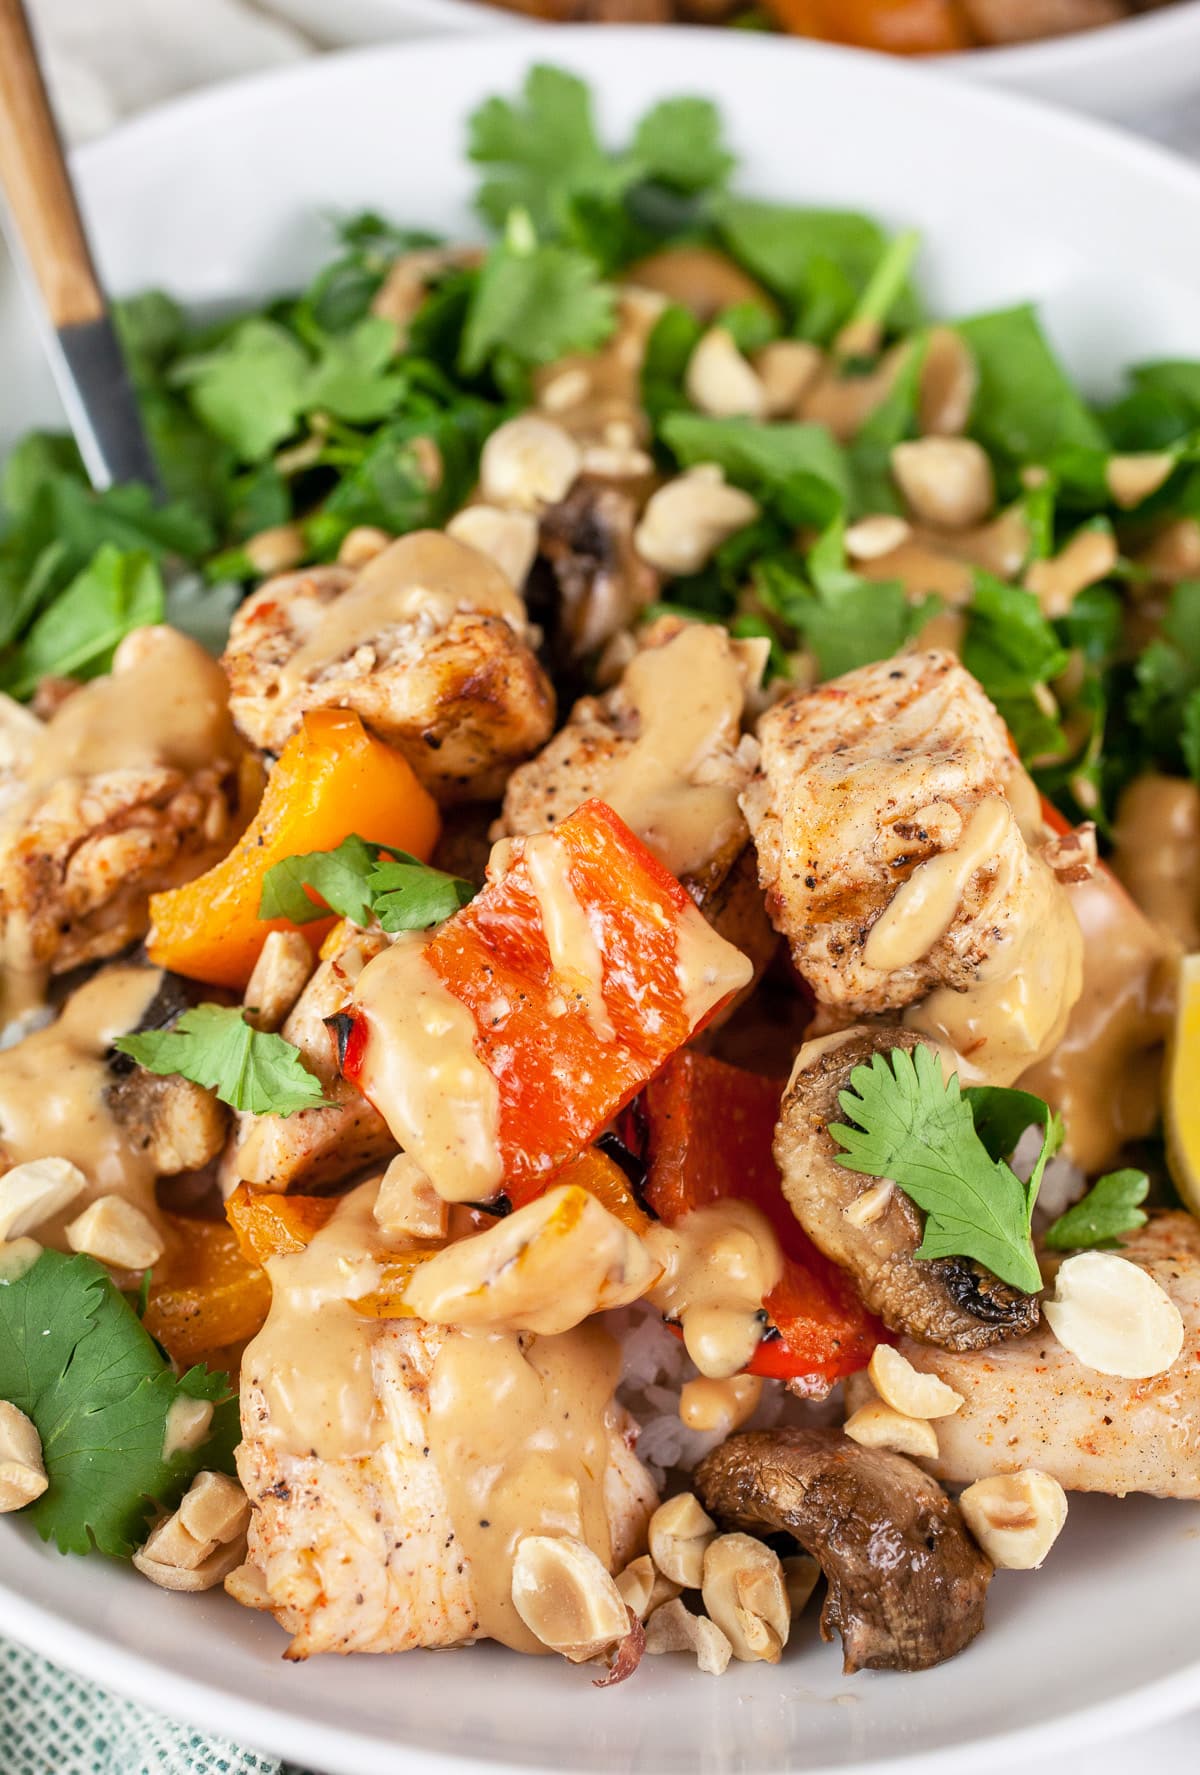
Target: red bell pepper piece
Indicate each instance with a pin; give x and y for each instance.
(708, 1130)
(561, 1075)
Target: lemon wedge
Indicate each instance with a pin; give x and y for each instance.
(1182, 1112)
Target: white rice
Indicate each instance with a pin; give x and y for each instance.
(1062, 1181)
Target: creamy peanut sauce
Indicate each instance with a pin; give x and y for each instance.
(925, 906)
(1156, 853)
(719, 1263)
(52, 1094)
(1104, 1076)
(686, 698)
(422, 1073)
(1017, 1011)
(604, 387)
(546, 1268)
(706, 1404)
(424, 574)
(187, 1425)
(574, 949)
(519, 1429)
(708, 967)
(165, 704)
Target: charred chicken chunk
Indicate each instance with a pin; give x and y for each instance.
(135, 784)
(429, 644)
(890, 817)
(948, 1301)
(1031, 1403)
(664, 748)
(907, 1584)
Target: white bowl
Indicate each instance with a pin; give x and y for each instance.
(1130, 71)
(224, 193)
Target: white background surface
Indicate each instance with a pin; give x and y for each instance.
(110, 58)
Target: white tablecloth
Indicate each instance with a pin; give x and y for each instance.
(109, 58)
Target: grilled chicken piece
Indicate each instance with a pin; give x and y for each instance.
(664, 748)
(947, 1301)
(1031, 1403)
(121, 794)
(178, 1124)
(315, 1148)
(365, 1554)
(890, 816)
(429, 644)
(907, 1584)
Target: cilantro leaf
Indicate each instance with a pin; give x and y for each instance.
(535, 302)
(1167, 679)
(1109, 1209)
(215, 1046)
(410, 896)
(801, 465)
(679, 141)
(918, 1130)
(338, 876)
(351, 377)
(539, 150)
(249, 389)
(1013, 651)
(76, 1359)
(1025, 406)
(360, 880)
(77, 634)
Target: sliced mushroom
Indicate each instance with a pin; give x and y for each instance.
(700, 278)
(589, 582)
(948, 1301)
(907, 1584)
(179, 1124)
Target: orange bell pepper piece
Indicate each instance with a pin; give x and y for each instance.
(708, 1131)
(899, 27)
(211, 1295)
(332, 778)
(559, 1081)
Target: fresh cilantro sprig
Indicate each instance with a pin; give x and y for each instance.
(361, 881)
(75, 1358)
(214, 1046)
(913, 1126)
(1110, 1208)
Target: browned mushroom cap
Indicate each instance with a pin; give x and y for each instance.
(948, 1301)
(907, 1584)
(699, 278)
(598, 583)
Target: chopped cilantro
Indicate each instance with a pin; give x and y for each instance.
(360, 881)
(75, 1358)
(1110, 1208)
(214, 1046)
(909, 1124)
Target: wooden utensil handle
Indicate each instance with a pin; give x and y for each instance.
(36, 182)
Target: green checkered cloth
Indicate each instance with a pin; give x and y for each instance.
(53, 1723)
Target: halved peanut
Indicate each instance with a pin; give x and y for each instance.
(279, 977)
(215, 1508)
(745, 1595)
(907, 1389)
(566, 1597)
(876, 535)
(876, 1425)
(644, 1588)
(720, 381)
(787, 368)
(35, 1192)
(1015, 1517)
(1131, 479)
(707, 1404)
(674, 1628)
(948, 382)
(205, 1576)
(801, 1574)
(945, 481)
(689, 518)
(528, 463)
(1114, 1316)
(509, 538)
(276, 550)
(408, 1206)
(679, 1532)
(22, 1470)
(362, 544)
(116, 1232)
